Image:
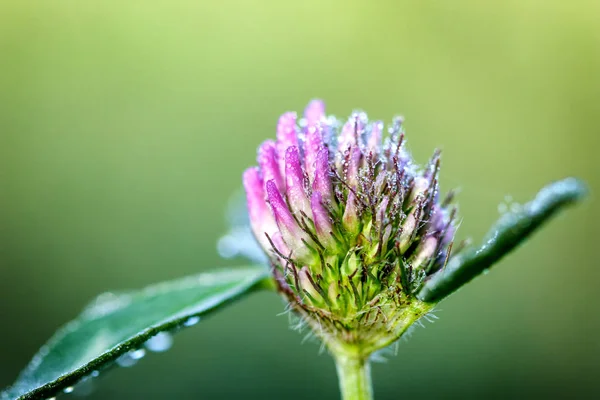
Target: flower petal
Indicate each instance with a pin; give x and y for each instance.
(374, 142)
(290, 231)
(321, 219)
(294, 178)
(261, 219)
(322, 180)
(286, 137)
(269, 164)
(313, 143)
(314, 112)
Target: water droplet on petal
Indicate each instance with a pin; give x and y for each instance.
(162, 341)
(191, 321)
(68, 389)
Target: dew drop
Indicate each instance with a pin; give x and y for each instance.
(85, 387)
(104, 304)
(126, 361)
(138, 354)
(68, 389)
(502, 208)
(226, 246)
(95, 374)
(162, 341)
(515, 207)
(131, 358)
(191, 321)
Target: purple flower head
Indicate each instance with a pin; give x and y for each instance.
(350, 223)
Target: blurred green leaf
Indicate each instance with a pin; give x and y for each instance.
(510, 230)
(115, 328)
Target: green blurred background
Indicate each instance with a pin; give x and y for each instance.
(125, 126)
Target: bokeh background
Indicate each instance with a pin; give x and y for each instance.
(125, 126)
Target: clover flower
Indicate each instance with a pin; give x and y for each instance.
(352, 226)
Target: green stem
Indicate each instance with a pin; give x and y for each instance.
(354, 374)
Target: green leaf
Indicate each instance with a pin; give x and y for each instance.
(114, 325)
(510, 230)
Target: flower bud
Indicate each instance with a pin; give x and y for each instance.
(261, 219)
(322, 221)
(351, 225)
(294, 178)
(309, 287)
(425, 252)
(408, 230)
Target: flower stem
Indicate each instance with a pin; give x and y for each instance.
(354, 374)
